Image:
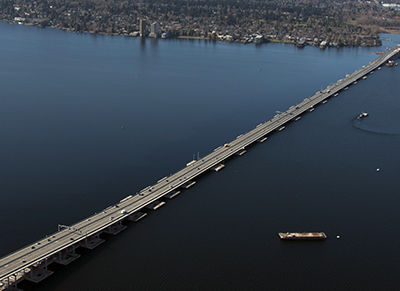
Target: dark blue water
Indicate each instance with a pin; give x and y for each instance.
(65, 96)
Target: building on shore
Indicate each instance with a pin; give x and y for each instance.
(142, 27)
(258, 39)
(134, 33)
(154, 29)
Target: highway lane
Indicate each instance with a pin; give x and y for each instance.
(46, 247)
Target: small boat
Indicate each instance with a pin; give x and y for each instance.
(362, 115)
(301, 44)
(390, 63)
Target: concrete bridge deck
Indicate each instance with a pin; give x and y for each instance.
(31, 262)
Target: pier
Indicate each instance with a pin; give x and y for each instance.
(31, 262)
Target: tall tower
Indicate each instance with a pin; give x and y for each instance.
(154, 29)
(142, 27)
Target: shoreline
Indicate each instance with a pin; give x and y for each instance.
(381, 30)
(389, 30)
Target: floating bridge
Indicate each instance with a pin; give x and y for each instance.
(31, 262)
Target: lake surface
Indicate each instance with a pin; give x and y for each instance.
(64, 155)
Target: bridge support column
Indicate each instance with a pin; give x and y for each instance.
(115, 228)
(67, 255)
(16, 282)
(135, 217)
(39, 271)
(92, 241)
(12, 284)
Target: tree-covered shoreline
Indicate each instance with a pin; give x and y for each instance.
(337, 23)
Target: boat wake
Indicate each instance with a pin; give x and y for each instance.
(376, 127)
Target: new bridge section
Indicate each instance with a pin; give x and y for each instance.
(31, 261)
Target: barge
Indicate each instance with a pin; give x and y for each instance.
(303, 235)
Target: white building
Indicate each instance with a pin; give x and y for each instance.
(258, 39)
(154, 29)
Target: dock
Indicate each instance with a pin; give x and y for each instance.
(59, 247)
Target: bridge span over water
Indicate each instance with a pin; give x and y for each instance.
(31, 262)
